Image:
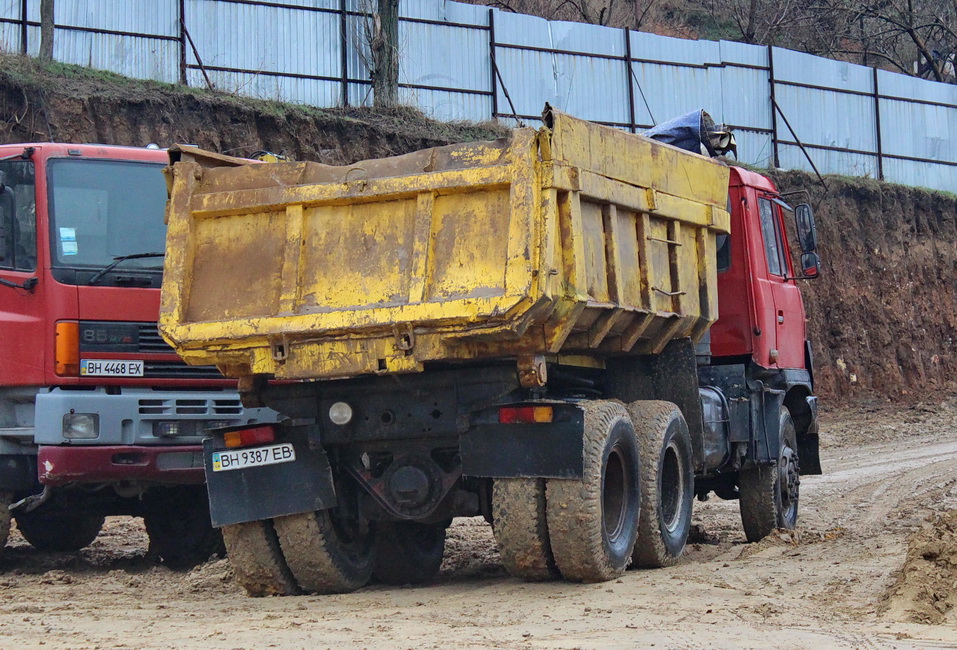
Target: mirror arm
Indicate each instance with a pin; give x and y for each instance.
(28, 285)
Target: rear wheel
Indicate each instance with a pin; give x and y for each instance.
(667, 482)
(593, 522)
(177, 522)
(769, 493)
(409, 552)
(521, 528)
(59, 531)
(327, 554)
(6, 498)
(254, 553)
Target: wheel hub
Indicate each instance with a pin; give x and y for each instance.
(789, 479)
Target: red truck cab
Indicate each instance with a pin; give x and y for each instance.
(90, 395)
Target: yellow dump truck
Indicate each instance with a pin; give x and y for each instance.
(503, 328)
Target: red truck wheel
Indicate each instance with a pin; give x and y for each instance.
(254, 553)
(6, 498)
(667, 482)
(769, 494)
(59, 532)
(177, 522)
(593, 522)
(521, 529)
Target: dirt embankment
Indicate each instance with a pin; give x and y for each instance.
(882, 318)
(883, 315)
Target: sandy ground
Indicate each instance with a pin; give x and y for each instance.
(867, 568)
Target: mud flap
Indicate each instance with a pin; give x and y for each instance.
(264, 492)
(552, 450)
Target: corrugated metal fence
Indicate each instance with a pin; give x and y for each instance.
(465, 62)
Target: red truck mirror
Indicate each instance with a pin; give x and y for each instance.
(810, 263)
(806, 231)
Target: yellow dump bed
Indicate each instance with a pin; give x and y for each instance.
(575, 239)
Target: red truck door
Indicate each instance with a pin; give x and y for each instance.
(783, 318)
(23, 321)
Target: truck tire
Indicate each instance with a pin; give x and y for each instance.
(667, 483)
(6, 498)
(769, 493)
(177, 522)
(324, 555)
(257, 561)
(409, 552)
(593, 522)
(58, 531)
(521, 528)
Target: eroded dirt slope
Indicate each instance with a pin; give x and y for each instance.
(837, 581)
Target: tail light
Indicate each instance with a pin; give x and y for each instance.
(525, 414)
(252, 436)
(67, 350)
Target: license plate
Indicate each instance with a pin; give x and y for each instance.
(224, 461)
(110, 368)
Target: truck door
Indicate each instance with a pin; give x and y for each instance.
(22, 324)
(786, 337)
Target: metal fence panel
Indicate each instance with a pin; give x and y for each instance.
(801, 68)
(448, 106)
(828, 162)
(154, 17)
(921, 174)
(444, 11)
(272, 87)
(828, 119)
(440, 56)
(919, 130)
(265, 38)
(144, 58)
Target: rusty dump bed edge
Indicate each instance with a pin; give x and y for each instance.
(578, 239)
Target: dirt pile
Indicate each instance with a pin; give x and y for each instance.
(926, 591)
(882, 318)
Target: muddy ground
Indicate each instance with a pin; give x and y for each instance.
(873, 564)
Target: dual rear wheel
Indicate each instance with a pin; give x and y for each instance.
(324, 553)
(633, 503)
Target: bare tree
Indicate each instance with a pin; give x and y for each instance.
(46, 30)
(379, 32)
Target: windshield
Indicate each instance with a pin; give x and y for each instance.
(102, 209)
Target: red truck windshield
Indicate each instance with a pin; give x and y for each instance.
(103, 209)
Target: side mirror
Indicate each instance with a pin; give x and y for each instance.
(810, 263)
(806, 231)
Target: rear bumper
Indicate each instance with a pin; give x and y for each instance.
(170, 465)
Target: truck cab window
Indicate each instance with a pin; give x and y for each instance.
(19, 227)
(724, 252)
(772, 237)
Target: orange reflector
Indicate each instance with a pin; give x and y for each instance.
(525, 414)
(67, 351)
(253, 436)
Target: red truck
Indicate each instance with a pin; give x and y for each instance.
(98, 416)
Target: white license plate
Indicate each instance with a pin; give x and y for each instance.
(224, 461)
(110, 368)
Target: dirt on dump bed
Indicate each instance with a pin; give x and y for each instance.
(871, 565)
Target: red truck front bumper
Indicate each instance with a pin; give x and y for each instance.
(174, 465)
